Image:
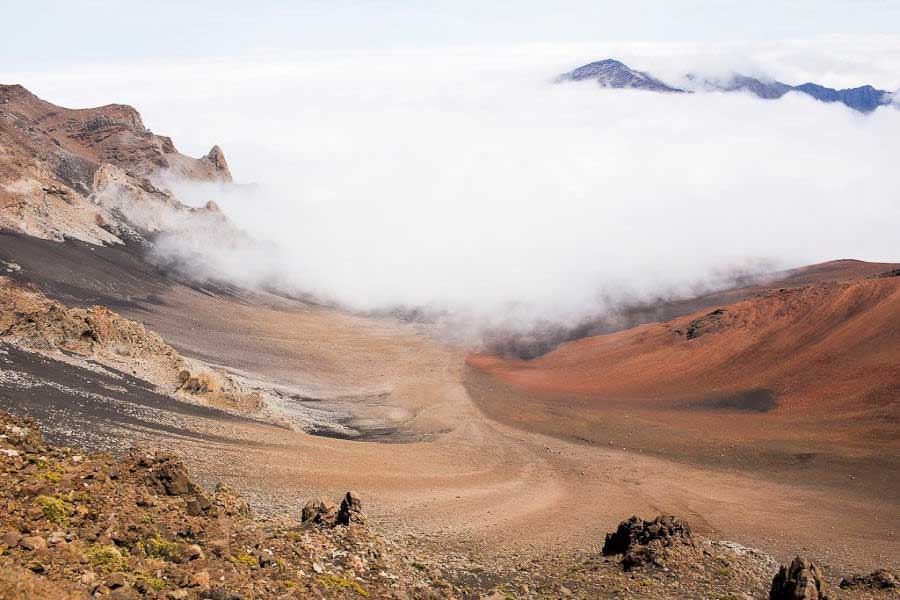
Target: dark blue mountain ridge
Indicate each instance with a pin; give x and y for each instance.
(614, 74)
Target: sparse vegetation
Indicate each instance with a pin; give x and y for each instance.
(51, 473)
(107, 558)
(53, 509)
(154, 582)
(245, 559)
(158, 547)
(334, 582)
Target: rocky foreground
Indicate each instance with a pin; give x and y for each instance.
(75, 525)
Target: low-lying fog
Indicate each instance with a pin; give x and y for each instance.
(467, 182)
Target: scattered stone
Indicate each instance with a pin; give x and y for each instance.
(220, 593)
(200, 580)
(90, 580)
(116, 580)
(198, 505)
(194, 552)
(266, 558)
(33, 542)
(57, 537)
(125, 543)
(11, 539)
(880, 579)
(802, 580)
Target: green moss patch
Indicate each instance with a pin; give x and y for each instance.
(53, 509)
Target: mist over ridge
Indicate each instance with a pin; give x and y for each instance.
(480, 191)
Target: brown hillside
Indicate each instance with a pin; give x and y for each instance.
(830, 344)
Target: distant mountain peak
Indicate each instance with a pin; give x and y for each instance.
(611, 73)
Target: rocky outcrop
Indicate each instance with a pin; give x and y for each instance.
(85, 173)
(643, 542)
(323, 511)
(351, 510)
(30, 320)
(801, 580)
(113, 134)
(708, 323)
(220, 167)
(638, 532)
(319, 510)
(84, 525)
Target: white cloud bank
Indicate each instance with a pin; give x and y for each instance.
(466, 182)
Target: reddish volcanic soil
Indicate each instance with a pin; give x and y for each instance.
(832, 348)
(795, 386)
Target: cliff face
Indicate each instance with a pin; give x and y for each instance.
(57, 165)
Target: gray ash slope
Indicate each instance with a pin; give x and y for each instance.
(102, 409)
(613, 74)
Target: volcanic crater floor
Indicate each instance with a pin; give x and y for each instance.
(444, 452)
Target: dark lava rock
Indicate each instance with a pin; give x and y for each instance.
(705, 324)
(351, 510)
(167, 474)
(319, 510)
(637, 532)
(199, 505)
(882, 579)
(802, 580)
(645, 542)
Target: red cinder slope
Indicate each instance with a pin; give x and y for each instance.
(828, 344)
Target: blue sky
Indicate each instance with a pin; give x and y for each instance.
(52, 33)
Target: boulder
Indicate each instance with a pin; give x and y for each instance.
(168, 475)
(33, 542)
(802, 580)
(882, 579)
(230, 503)
(199, 505)
(320, 510)
(351, 510)
(637, 532)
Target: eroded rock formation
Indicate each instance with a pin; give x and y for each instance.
(86, 173)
